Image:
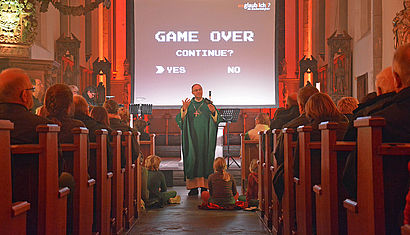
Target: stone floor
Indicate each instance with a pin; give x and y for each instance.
(186, 218)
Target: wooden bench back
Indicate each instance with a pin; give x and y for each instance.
(117, 184)
(366, 215)
(129, 180)
(50, 201)
(14, 222)
(83, 193)
(103, 183)
(249, 151)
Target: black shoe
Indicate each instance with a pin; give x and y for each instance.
(193, 192)
(203, 189)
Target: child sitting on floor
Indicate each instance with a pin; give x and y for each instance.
(252, 189)
(156, 182)
(222, 187)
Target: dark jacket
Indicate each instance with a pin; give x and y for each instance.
(65, 136)
(366, 109)
(285, 117)
(315, 136)
(25, 123)
(116, 124)
(93, 125)
(396, 112)
(24, 169)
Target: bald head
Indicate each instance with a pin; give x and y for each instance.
(401, 67)
(385, 81)
(15, 87)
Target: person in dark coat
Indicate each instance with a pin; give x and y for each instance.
(396, 112)
(16, 99)
(90, 95)
(291, 112)
(59, 105)
(116, 124)
(303, 96)
(81, 113)
(140, 125)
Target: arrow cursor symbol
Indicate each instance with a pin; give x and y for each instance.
(160, 69)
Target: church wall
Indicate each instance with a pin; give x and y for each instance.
(360, 22)
(48, 32)
(77, 27)
(390, 8)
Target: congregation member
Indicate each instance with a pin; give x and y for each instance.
(140, 126)
(81, 113)
(198, 121)
(16, 100)
(304, 94)
(157, 187)
(38, 94)
(261, 124)
(74, 89)
(90, 95)
(291, 112)
(59, 104)
(116, 124)
(385, 87)
(252, 186)
(100, 114)
(222, 186)
(397, 129)
(346, 105)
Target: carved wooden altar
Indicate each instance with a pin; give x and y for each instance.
(339, 66)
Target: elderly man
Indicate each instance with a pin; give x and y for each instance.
(198, 121)
(16, 99)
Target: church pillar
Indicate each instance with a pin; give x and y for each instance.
(291, 54)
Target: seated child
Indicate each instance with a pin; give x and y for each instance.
(222, 187)
(252, 189)
(158, 195)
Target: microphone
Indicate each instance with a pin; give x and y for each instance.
(208, 101)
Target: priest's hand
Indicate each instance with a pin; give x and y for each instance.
(185, 104)
(211, 108)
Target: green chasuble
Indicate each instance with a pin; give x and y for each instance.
(199, 132)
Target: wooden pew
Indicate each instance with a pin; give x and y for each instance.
(304, 210)
(129, 181)
(249, 151)
(327, 193)
(12, 215)
(103, 184)
(267, 180)
(51, 201)
(117, 185)
(83, 193)
(261, 165)
(288, 199)
(148, 146)
(138, 175)
(276, 205)
(367, 214)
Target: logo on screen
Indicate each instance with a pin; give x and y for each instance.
(255, 6)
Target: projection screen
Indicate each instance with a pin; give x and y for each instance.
(226, 46)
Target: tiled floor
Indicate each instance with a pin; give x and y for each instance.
(186, 218)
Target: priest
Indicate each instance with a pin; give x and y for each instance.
(198, 121)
